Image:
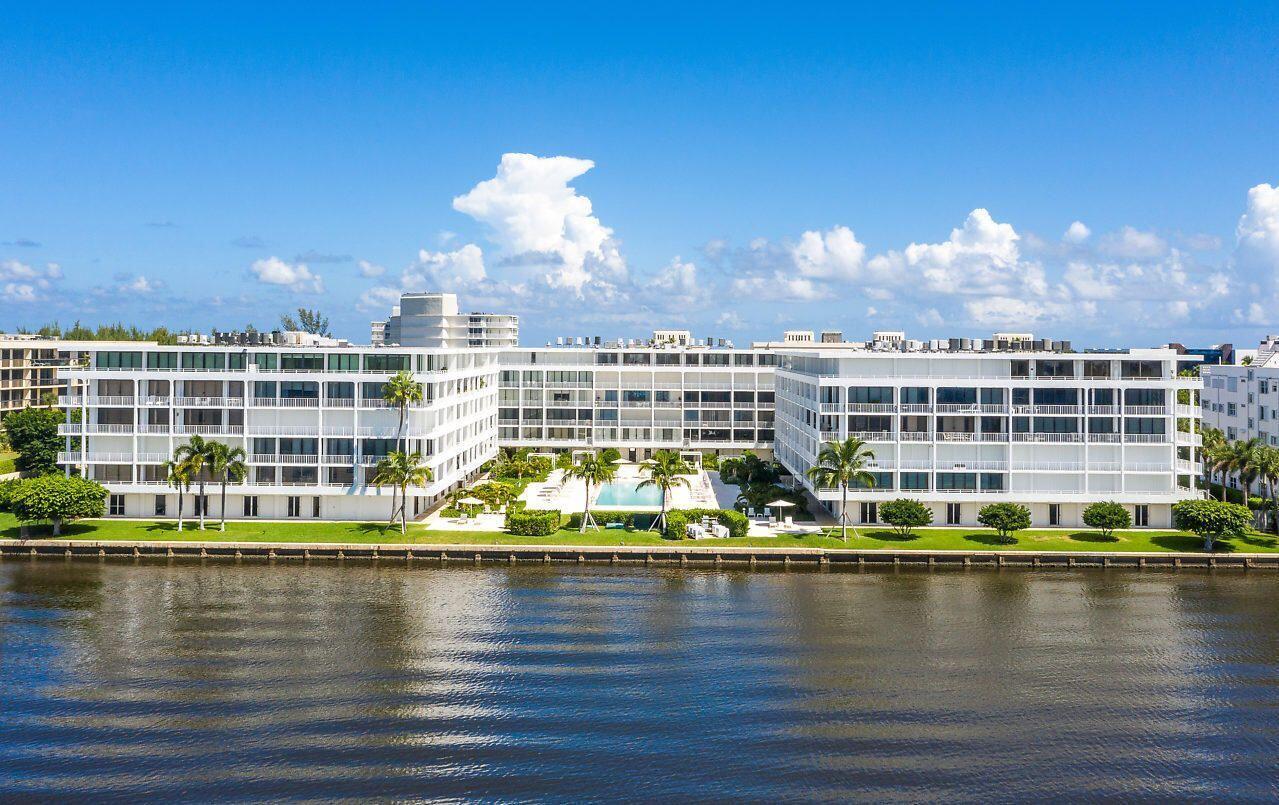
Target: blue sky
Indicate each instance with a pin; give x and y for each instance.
(734, 168)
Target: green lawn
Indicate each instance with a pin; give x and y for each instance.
(6, 462)
(924, 539)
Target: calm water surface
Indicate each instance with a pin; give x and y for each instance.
(254, 682)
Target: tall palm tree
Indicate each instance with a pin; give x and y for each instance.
(226, 465)
(1268, 473)
(841, 464)
(402, 470)
(594, 470)
(402, 391)
(1210, 455)
(666, 471)
(1242, 460)
(195, 454)
(178, 474)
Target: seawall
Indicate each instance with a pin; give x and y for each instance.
(673, 555)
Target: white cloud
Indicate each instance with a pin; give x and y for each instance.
(1007, 311)
(835, 254)
(1134, 244)
(1258, 230)
(1077, 232)
(294, 276)
(533, 211)
(23, 282)
(139, 284)
(981, 257)
(368, 269)
(780, 286)
(676, 284)
(729, 319)
(871, 312)
(447, 270)
(930, 318)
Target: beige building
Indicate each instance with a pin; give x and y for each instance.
(29, 370)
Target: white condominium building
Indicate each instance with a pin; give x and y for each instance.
(311, 419)
(638, 399)
(432, 320)
(1052, 430)
(1243, 401)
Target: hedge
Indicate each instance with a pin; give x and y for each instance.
(632, 520)
(535, 523)
(676, 520)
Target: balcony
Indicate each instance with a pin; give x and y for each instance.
(870, 408)
(1145, 410)
(203, 430)
(871, 435)
(1058, 410)
(287, 402)
(1048, 437)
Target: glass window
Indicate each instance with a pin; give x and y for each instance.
(302, 362)
(386, 363)
(266, 361)
(344, 362)
(236, 360)
(956, 480)
(119, 360)
(162, 360)
(203, 360)
(915, 481)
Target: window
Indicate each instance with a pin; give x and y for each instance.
(266, 361)
(236, 360)
(162, 360)
(914, 396)
(200, 505)
(606, 358)
(914, 481)
(302, 362)
(1054, 514)
(953, 512)
(251, 506)
(744, 359)
(295, 506)
(116, 506)
(160, 505)
(870, 512)
(992, 480)
(956, 480)
(386, 363)
(119, 360)
(870, 394)
(203, 360)
(344, 363)
(1141, 515)
(315, 507)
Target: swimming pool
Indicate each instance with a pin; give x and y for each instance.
(625, 493)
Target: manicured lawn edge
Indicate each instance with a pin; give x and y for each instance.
(1158, 541)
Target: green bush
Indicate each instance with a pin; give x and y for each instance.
(631, 520)
(1106, 517)
(904, 514)
(57, 498)
(1232, 495)
(33, 432)
(8, 489)
(1212, 519)
(1005, 518)
(676, 520)
(533, 523)
(710, 461)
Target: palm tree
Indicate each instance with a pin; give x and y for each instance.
(665, 470)
(402, 391)
(178, 474)
(195, 454)
(1210, 453)
(1242, 460)
(402, 470)
(1268, 471)
(840, 464)
(593, 470)
(226, 465)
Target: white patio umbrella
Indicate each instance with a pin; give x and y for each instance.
(780, 504)
(471, 502)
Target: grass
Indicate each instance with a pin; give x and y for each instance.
(7, 462)
(873, 538)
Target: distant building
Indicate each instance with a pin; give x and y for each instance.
(28, 370)
(432, 321)
(1215, 355)
(678, 338)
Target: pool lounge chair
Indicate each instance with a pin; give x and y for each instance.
(768, 513)
(750, 512)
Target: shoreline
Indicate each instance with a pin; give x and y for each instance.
(680, 555)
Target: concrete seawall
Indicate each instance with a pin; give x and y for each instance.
(673, 555)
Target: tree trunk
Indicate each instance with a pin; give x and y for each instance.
(394, 511)
(403, 409)
(586, 510)
(843, 513)
(222, 526)
(201, 505)
(404, 509)
(57, 526)
(179, 510)
(661, 516)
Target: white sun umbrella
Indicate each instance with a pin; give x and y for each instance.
(781, 504)
(471, 502)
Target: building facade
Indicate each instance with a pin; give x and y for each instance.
(29, 370)
(432, 320)
(312, 421)
(1243, 401)
(954, 425)
(1052, 430)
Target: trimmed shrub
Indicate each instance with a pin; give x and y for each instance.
(1005, 518)
(676, 520)
(533, 523)
(1106, 517)
(8, 489)
(1212, 519)
(904, 514)
(633, 521)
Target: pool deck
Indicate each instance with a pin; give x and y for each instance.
(569, 495)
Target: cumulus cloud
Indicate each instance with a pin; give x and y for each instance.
(530, 208)
(297, 277)
(834, 254)
(139, 285)
(1257, 233)
(1077, 232)
(454, 269)
(23, 282)
(981, 257)
(676, 284)
(368, 269)
(1134, 243)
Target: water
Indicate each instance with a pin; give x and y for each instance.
(615, 493)
(166, 682)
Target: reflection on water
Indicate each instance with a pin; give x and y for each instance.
(182, 681)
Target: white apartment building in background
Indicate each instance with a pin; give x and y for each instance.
(956, 423)
(958, 429)
(311, 419)
(432, 320)
(1243, 401)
